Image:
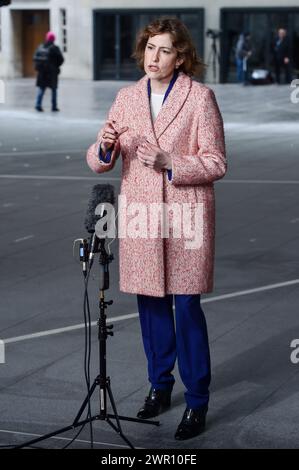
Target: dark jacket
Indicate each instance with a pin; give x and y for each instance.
(247, 47)
(48, 59)
(282, 50)
(243, 47)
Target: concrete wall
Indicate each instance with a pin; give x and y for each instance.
(7, 68)
(79, 56)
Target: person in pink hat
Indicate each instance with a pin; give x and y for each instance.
(47, 59)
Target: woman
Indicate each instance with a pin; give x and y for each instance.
(169, 131)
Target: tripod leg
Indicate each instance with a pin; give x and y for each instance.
(85, 402)
(119, 431)
(54, 433)
(209, 57)
(113, 405)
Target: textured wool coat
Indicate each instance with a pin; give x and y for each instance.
(189, 127)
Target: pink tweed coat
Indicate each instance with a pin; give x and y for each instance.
(189, 127)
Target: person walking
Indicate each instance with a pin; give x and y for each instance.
(47, 59)
(169, 131)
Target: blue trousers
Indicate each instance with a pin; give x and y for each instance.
(185, 338)
(40, 95)
(240, 71)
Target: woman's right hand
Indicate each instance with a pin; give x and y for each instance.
(111, 135)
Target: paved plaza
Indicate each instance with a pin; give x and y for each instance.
(252, 315)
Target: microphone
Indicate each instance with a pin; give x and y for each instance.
(101, 194)
(84, 255)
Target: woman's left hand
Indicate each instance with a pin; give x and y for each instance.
(153, 157)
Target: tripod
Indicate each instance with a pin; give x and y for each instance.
(215, 56)
(101, 381)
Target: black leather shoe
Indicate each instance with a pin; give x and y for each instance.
(39, 108)
(55, 110)
(192, 424)
(155, 403)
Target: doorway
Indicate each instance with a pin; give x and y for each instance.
(35, 25)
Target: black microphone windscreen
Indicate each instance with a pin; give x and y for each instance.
(100, 194)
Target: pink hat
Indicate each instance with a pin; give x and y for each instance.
(50, 37)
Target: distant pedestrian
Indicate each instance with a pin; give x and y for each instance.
(282, 56)
(47, 59)
(243, 53)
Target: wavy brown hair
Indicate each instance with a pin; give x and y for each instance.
(181, 40)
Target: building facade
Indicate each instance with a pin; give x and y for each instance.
(97, 36)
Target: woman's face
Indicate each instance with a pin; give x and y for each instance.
(160, 57)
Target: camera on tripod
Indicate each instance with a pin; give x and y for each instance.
(214, 56)
(213, 33)
(4, 3)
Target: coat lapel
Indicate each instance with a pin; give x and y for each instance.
(144, 111)
(170, 108)
(173, 104)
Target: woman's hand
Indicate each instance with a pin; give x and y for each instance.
(111, 135)
(153, 157)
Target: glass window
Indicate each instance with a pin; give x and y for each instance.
(295, 43)
(63, 26)
(107, 28)
(115, 34)
(194, 24)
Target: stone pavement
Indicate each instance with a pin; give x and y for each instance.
(252, 315)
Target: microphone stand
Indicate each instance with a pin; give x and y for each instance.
(215, 57)
(102, 381)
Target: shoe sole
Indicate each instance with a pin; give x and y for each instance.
(178, 438)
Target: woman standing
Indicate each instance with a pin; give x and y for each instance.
(169, 131)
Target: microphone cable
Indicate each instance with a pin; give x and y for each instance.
(87, 360)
